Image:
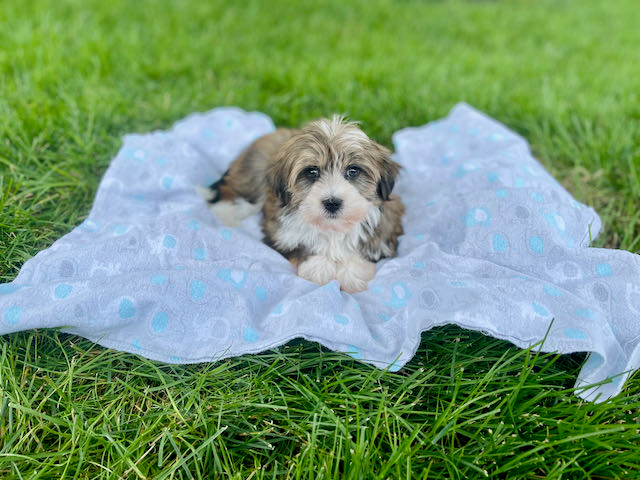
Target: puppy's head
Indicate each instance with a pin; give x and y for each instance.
(333, 174)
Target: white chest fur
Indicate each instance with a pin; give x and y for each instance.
(337, 246)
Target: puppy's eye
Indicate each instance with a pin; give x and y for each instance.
(312, 173)
(352, 172)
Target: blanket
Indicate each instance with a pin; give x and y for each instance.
(492, 243)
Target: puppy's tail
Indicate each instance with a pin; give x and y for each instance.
(216, 191)
(229, 206)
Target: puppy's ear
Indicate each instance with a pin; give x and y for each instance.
(277, 181)
(388, 170)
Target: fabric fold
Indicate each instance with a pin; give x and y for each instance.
(492, 243)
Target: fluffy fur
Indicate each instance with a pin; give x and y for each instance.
(325, 191)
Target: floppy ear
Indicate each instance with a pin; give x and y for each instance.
(277, 181)
(388, 171)
(385, 185)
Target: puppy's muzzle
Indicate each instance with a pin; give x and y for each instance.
(332, 205)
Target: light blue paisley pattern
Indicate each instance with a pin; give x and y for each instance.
(492, 243)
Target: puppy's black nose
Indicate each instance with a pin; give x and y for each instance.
(332, 205)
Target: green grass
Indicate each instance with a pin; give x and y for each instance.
(77, 75)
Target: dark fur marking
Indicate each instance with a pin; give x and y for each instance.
(283, 195)
(215, 187)
(385, 185)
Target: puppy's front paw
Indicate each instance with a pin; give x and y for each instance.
(317, 269)
(355, 274)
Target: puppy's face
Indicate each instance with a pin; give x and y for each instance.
(332, 174)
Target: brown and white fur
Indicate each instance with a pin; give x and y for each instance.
(325, 191)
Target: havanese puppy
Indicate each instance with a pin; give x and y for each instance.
(325, 191)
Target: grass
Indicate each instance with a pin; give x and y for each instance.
(75, 76)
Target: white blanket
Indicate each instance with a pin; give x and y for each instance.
(492, 243)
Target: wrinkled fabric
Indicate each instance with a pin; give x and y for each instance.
(492, 243)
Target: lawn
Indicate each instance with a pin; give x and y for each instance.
(77, 75)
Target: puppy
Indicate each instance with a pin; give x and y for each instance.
(325, 191)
